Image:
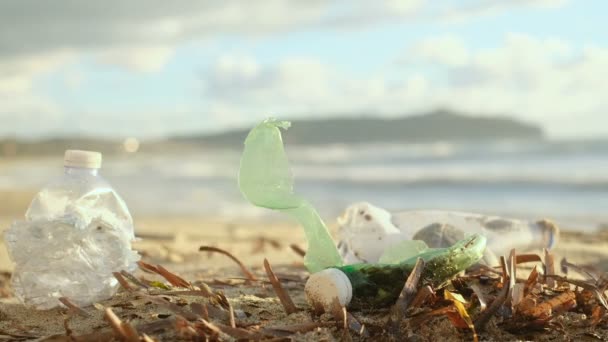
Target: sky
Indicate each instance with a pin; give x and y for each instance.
(157, 68)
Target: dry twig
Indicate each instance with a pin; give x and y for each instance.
(409, 291)
(298, 250)
(485, 316)
(549, 269)
(73, 307)
(284, 297)
(121, 280)
(172, 278)
(122, 330)
(247, 273)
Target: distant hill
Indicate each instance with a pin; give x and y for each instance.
(435, 126)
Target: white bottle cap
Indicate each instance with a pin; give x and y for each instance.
(83, 159)
(324, 286)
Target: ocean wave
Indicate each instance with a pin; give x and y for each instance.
(442, 150)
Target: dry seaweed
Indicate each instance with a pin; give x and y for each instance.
(491, 302)
(407, 295)
(172, 278)
(121, 280)
(246, 271)
(284, 297)
(122, 330)
(72, 307)
(298, 250)
(260, 243)
(485, 316)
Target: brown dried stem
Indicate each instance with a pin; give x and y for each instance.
(298, 250)
(122, 281)
(73, 307)
(408, 292)
(123, 330)
(485, 316)
(134, 279)
(549, 269)
(244, 269)
(284, 297)
(172, 278)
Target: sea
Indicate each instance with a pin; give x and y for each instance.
(566, 181)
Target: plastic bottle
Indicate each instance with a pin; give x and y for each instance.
(372, 286)
(77, 231)
(265, 180)
(369, 234)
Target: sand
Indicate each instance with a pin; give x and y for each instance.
(173, 242)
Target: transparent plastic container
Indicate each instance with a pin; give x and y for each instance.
(77, 231)
(369, 234)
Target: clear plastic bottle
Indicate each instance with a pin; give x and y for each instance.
(369, 234)
(77, 231)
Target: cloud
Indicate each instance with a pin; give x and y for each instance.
(16, 74)
(40, 37)
(546, 81)
(444, 50)
(294, 85)
(28, 115)
(476, 8)
(21, 110)
(138, 58)
(29, 27)
(143, 35)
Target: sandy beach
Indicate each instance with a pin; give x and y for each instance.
(176, 239)
(174, 242)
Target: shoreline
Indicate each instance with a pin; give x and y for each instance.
(175, 240)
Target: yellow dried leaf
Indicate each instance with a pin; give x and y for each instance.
(456, 296)
(458, 300)
(159, 285)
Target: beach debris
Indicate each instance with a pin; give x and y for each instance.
(265, 180)
(261, 242)
(546, 309)
(172, 278)
(549, 269)
(367, 235)
(407, 295)
(367, 286)
(462, 319)
(77, 231)
(123, 330)
(73, 307)
(244, 269)
(122, 281)
(298, 250)
(134, 280)
(280, 291)
(206, 313)
(371, 234)
(345, 320)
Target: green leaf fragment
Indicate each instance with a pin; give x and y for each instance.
(265, 179)
(159, 285)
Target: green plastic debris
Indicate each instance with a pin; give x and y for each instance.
(265, 180)
(369, 286)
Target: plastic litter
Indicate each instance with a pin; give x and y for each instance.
(371, 234)
(76, 232)
(265, 180)
(369, 286)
